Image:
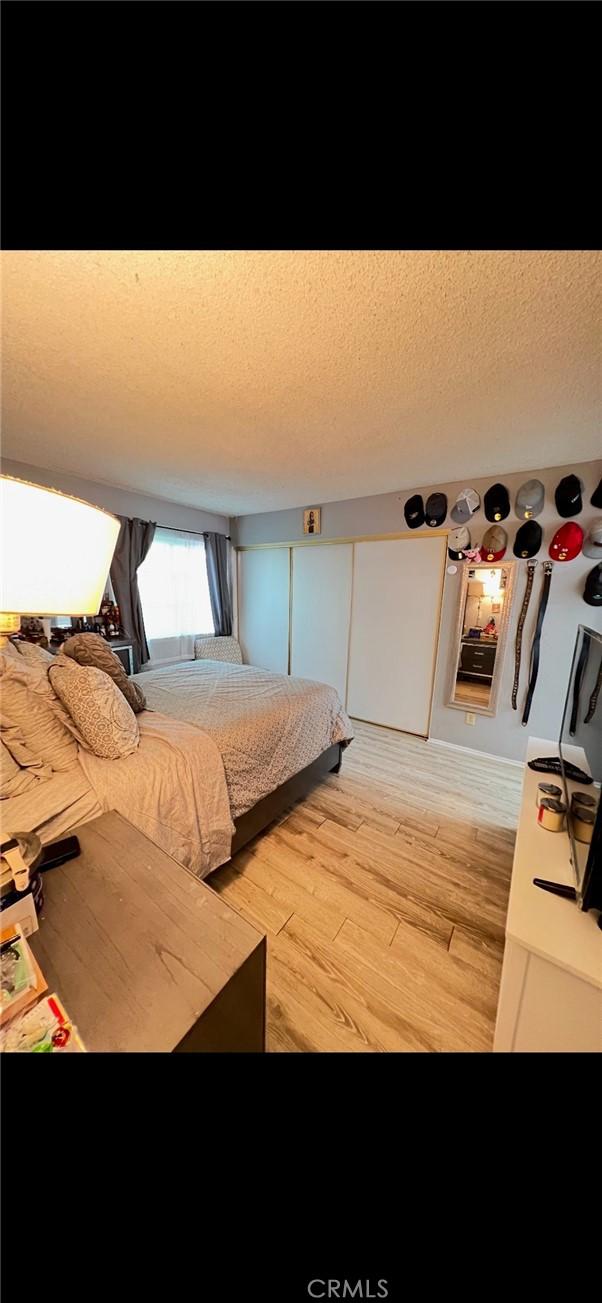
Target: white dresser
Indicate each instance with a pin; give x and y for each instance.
(551, 988)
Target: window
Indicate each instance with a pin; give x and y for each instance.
(174, 591)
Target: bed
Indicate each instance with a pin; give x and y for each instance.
(223, 750)
(267, 726)
(277, 735)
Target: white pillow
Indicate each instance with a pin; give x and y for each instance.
(30, 703)
(14, 780)
(11, 651)
(33, 654)
(14, 741)
(103, 720)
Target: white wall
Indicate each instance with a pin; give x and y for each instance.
(383, 514)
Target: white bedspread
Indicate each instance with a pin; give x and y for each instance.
(216, 739)
(51, 809)
(267, 726)
(173, 788)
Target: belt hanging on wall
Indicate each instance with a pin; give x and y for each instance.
(534, 659)
(531, 567)
(593, 701)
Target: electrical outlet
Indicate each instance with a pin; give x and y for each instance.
(470, 719)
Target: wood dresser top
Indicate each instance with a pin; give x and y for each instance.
(135, 946)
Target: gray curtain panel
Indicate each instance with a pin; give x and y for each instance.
(133, 542)
(216, 553)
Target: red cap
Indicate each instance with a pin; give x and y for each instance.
(567, 541)
(495, 542)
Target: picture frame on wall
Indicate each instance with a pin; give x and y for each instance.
(311, 520)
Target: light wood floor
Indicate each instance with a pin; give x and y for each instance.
(476, 694)
(383, 895)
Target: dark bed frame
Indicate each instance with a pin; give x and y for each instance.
(259, 816)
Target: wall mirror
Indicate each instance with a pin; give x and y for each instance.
(480, 637)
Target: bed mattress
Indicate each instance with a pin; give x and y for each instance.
(266, 726)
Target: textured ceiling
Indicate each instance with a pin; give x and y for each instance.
(247, 381)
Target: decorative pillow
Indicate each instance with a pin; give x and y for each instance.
(218, 649)
(105, 723)
(30, 703)
(91, 649)
(34, 654)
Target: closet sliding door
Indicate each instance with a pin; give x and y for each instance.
(263, 607)
(320, 613)
(395, 609)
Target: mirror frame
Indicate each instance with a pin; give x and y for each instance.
(468, 567)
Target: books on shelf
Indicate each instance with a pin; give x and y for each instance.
(30, 1020)
(21, 978)
(45, 1029)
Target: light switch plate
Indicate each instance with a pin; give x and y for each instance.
(470, 719)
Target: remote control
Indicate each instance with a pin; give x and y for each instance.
(56, 853)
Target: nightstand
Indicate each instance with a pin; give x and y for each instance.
(124, 650)
(122, 647)
(477, 659)
(144, 956)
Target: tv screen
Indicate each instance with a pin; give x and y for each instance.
(582, 728)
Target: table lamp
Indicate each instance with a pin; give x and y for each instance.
(56, 554)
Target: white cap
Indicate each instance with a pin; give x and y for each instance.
(592, 545)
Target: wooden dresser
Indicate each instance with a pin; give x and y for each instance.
(144, 956)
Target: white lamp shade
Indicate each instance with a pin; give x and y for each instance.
(56, 551)
(476, 588)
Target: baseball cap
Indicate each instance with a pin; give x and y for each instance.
(530, 499)
(497, 502)
(457, 543)
(592, 593)
(436, 509)
(568, 496)
(596, 498)
(528, 539)
(566, 543)
(495, 542)
(414, 512)
(467, 502)
(592, 545)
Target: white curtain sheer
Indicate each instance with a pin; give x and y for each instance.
(174, 592)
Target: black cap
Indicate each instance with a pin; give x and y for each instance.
(528, 539)
(414, 512)
(592, 593)
(436, 509)
(568, 496)
(497, 502)
(596, 498)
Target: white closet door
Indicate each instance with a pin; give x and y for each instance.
(320, 613)
(263, 602)
(394, 623)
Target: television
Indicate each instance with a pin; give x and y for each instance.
(582, 727)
